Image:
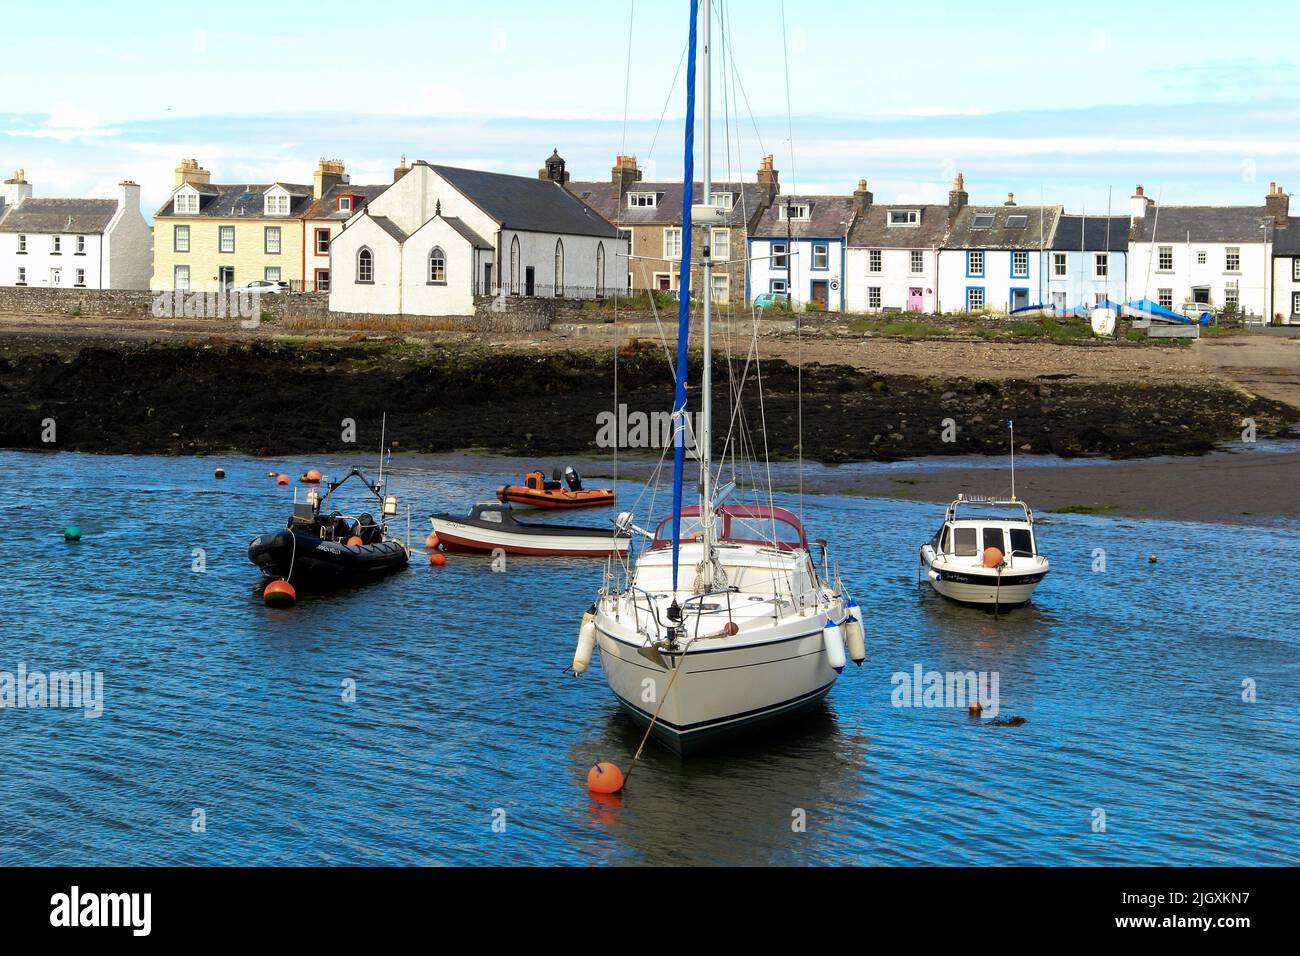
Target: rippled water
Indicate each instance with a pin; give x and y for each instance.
(1130, 681)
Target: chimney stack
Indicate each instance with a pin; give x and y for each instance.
(862, 198)
(624, 174)
(128, 198)
(1139, 205)
(329, 173)
(189, 171)
(17, 189)
(958, 199)
(401, 169)
(1011, 199)
(1278, 204)
(769, 181)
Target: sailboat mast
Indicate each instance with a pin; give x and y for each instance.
(705, 447)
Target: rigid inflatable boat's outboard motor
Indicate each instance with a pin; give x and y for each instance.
(572, 478)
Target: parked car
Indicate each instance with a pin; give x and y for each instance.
(772, 300)
(262, 287)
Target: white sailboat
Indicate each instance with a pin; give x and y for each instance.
(724, 622)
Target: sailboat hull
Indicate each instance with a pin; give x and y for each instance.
(722, 694)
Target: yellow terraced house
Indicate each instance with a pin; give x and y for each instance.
(211, 237)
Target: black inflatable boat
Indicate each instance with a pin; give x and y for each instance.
(328, 549)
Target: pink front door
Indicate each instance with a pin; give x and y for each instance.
(914, 300)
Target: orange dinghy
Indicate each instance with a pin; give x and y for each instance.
(538, 492)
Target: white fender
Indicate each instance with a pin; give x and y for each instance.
(854, 636)
(586, 643)
(833, 641)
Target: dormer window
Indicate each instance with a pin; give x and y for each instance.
(795, 211)
(277, 203)
(187, 203)
(345, 204)
(904, 217)
(723, 200)
(642, 200)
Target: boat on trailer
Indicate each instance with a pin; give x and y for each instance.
(990, 560)
(325, 548)
(491, 527)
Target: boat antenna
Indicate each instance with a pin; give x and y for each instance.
(383, 434)
(1013, 459)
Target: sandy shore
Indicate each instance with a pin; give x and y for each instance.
(1251, 485)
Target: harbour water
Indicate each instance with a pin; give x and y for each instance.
(1137, 746)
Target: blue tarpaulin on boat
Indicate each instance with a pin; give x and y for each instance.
(1158, 311)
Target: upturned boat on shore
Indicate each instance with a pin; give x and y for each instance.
(320, 548)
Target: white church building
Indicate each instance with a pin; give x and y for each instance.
(441, 235)
(73, 243)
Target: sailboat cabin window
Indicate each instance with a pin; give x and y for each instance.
(964, 542)
(1022, 543)
(993, 539)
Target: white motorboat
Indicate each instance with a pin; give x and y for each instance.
(988, 559)
(724, 622)
(490, 527)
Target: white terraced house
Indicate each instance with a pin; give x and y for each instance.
(893, 255)
(73, 243)
(1196, 259)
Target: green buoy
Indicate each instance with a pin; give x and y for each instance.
(72, 533)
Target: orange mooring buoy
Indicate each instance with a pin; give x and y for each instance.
(604, 777)
(437, 559)
(992, 557)
(431, 542)
(354, 541)
(311, 476)
(975, 708)
(282, 479)
(280, 594)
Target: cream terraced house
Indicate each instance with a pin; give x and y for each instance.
(213, 237)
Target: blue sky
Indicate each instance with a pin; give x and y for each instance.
(1199, 102)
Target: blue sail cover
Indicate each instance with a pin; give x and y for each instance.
(684, 297)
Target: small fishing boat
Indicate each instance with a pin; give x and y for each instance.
(490, 527)
(539, 492)
(324, 548)
(990, 560)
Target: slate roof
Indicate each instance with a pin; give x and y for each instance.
(59, 215)
(224, 201)
(532, 205)
(1205, 223)
(390, 227)
(667, 211)
(472, 237)
(1089, 234)
(1286, 241)
(871, 230)
(327, 206)
(1037, 232)
(827, 219)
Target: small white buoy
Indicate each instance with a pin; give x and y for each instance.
(854, 635)
(586, 642)
(833, 641)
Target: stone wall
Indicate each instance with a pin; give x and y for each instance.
(305, 310)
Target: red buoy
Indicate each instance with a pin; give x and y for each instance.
(604, 777)
(437, 559)
(431, 542)
(280, 594)
(311, 476)
(282, 479)
(354, 541)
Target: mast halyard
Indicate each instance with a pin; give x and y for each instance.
(705, 442)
